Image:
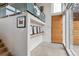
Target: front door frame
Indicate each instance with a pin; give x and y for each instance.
(56, 14)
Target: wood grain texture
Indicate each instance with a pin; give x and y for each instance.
(56, 34)
(76, 32)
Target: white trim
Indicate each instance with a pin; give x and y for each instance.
(54, 14)
(28, 36)
(69, 52)
(73, 52)
(71, 32)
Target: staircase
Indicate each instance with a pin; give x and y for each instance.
(4, 50)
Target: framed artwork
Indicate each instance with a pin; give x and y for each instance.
(21, 22)
(35, 31)
(31, 29)
(39, 29)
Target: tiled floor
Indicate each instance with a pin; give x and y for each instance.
(49, 49)
(76, 49)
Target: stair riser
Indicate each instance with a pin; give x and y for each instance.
(6, 54)
(0, 41)
(1, 45)
(3, 50)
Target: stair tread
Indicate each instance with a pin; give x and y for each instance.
(3, 47)
(0, 40)
(1, 44)
(4, 54)
(4, 50)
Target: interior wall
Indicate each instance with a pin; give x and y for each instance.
(66, 26)
(2, 11)
(63, 19)
(47, 28)
(52, 8)
(14, 38)
(36, 39)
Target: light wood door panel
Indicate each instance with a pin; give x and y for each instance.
(76, 40)
(76, 32)
(56, 33)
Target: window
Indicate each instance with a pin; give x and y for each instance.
(57, 7)
(10, 10)
(18, 10)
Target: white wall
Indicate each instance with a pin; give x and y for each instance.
(67, 31)
(2, 11)
(15, 38)
(66, 28)
(33, 40)
(47, 28)
(52, 8)
(64, 42)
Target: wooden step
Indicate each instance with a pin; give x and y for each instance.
(3, 49)
(5, 54)
(9, 54)
(0, 40)
(1, 45)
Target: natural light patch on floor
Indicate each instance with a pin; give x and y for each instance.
(49, 49)
(76, 49)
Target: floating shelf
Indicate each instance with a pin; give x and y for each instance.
(35, 35)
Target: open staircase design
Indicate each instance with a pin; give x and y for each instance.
(4, 50)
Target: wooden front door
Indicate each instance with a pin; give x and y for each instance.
(56, 34)
(76, 31)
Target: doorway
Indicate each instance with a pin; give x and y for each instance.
(56, 30)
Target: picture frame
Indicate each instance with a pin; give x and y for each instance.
(41, 29)
(35, 31)
(21, 22)
(38, 29)
(31, 30)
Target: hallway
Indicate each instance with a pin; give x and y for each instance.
(49, 49)
(76, 49)
(39, 29)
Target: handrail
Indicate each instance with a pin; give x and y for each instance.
(11, 15)
(41, 16)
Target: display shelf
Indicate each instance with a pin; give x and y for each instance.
(35, 35)
(34, 38)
